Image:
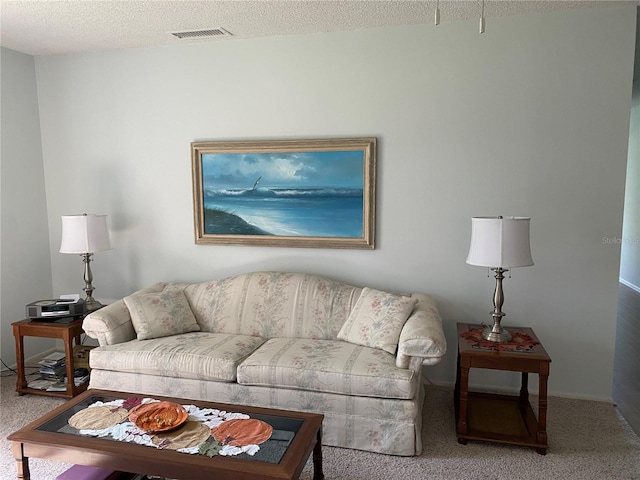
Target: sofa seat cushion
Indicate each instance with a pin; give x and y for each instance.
(197, 355)
(330, 366)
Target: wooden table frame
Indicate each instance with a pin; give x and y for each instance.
(472, 420)
(129, 457)
(67, 332)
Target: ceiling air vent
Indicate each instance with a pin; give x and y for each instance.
(209, 32)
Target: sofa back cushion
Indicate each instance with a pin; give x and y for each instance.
(273, 304)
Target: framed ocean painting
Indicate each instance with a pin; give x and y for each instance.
(317, 193)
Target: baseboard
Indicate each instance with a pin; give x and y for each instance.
(515, 391)
(630, 285)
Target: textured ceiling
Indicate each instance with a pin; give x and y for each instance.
(47, 27)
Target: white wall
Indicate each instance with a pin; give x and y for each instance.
(531, 118)
(24, 236)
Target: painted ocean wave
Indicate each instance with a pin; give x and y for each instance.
(285, 192)
(316, 212)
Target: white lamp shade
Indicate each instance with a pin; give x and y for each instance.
(500, 242)
(84, 233)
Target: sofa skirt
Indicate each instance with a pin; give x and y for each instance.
(389, 426)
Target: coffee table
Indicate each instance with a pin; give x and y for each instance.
(51, 438)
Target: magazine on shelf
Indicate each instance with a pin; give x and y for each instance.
(57, 387)
(57, 371)
(53, 359)
(61, 385)
(41, 383)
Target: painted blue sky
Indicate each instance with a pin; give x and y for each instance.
(293, 170)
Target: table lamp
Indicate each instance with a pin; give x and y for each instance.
(499, 243)
(85, 234)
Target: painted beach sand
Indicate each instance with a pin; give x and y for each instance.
(317, 194)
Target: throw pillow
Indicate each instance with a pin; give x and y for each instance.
(377, 319)
(161, 314)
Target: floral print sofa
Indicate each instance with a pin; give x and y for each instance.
(283, 340)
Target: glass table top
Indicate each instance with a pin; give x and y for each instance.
(271, 451)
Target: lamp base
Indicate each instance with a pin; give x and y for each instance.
(92, 304)
(496, 334)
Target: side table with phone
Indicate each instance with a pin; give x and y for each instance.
(60, 319)
(67, 332)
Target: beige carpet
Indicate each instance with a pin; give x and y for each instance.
(587, 440)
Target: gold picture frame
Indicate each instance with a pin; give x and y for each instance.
(314, 193)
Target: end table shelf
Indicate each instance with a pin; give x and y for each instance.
(500, 418)
(68, 333)
(507, 419)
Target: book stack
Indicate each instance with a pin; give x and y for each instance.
(53, 374)
(52, 367)
(52, 371)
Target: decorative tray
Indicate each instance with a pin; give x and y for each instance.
(242, 431)
(158, 416)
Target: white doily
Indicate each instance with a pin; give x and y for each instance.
(128, 431)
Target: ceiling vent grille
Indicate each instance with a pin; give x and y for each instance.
(209, 32)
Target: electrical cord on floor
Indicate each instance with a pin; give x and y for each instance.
(10, 371)
(426, 381)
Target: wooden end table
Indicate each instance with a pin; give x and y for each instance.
(507, 419)
(67, 332)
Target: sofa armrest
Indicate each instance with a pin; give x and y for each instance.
(112, 324)
(422, 335)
